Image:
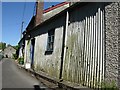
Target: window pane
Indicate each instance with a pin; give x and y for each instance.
(51, 46)
(50, 40)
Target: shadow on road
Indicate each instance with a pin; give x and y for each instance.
(37, 87)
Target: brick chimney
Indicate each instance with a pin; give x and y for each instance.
(39, 12)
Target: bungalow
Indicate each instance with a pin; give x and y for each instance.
(80, 44)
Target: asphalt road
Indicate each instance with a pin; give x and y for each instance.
(13, 77)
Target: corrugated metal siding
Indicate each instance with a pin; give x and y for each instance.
(84, 60)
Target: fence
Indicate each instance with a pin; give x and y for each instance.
(84, 60)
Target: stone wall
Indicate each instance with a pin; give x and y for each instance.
(119, 45)
(111, 42)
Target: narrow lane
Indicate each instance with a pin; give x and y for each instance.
(13, 77)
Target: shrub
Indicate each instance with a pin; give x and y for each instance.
(15, 56)
(21, 61)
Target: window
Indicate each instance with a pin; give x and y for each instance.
(50, 42)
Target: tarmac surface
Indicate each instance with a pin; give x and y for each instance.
(15, 78)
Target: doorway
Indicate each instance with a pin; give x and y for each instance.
(32, 52)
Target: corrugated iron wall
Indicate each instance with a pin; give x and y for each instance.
(84, 57)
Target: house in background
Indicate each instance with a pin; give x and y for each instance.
(9, 51)
(80, 44)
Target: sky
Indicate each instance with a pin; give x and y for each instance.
(12, 17)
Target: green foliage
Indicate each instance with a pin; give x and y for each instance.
(15, 56)
(2, 45)
(109, 86)
(21, 61)
(16, 47)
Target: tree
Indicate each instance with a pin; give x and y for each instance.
(17, 51)
(16, 47)
(2, 46)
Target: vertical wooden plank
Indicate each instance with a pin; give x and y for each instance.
(93, 36)
(71, 61)
(77, 54)
(91, 63)
(86, 49)
(93, 60)
(99, 47)
(90, 37)
(95, 50)
(83, 48)
(103, 38)
(67, 66)
(96, 47)
(84, 56)
(100, 61)
(70, 56)
(74, 55)
(79, 45)
(79, 40)
(87, 52)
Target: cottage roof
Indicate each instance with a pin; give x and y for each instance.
(75, 5)
(55, 6)
(9, 46)
(32, 21)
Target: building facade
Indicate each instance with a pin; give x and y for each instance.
(79, 44)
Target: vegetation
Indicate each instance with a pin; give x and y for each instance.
(15, 56)
(109, 86)
(2, 46)
(21, 61)
(16, 47)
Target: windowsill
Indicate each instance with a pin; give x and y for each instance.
(48, 52)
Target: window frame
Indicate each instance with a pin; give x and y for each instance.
(50, 40)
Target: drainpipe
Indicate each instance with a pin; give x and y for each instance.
(64, 48)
